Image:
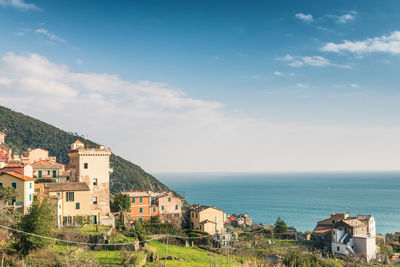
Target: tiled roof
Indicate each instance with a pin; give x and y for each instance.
(46, 162)
(14, 165)
(68, 186)
(19, 176)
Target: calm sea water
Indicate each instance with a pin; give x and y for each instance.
(301, 199)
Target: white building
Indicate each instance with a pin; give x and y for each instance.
(355, 236)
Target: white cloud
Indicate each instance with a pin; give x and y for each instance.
(354, 85)
(19, 4)
(343, 19)
(49, 35)
(163, 129)
(278, 73)
(386, 44)
(79, 61)
(314, 61)
(304, 17)
(302, 85)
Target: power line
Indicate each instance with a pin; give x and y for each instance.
(93, 244)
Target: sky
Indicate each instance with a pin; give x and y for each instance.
(209, 86)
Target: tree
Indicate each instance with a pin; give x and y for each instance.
(280, 226)
(7, 194)
(39, 221)
(122, 202)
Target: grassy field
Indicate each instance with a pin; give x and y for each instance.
(191, 256)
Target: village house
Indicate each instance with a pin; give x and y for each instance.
(207, 219)
(91, 165)
(34, 155)
(165, 205)
(47, 169)
(355, 236)
(25, 170)
(169, 207)
(74, 201)
(143, 205)
(322, 233)
(24, 186)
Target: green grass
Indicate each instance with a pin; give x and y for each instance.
(110, 257)
(192, 256)
(91, 229)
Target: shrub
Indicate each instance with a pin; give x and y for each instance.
(39, 221)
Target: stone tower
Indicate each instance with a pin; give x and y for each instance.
(92, 166)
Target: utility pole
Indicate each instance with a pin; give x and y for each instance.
(166, 253)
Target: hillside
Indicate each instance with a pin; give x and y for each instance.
(24, 132)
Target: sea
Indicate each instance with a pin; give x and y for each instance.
(301, 199)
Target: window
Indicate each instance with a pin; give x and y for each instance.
(85, 165)
(48, 172)
(338, 248)
(176, 207)
(140, 219)
(54, 174)
(14, 185)
(140, 210)
(94, 200)
(67, 220)
(133, 200)
(169, 199)
(140, 199)
(154, 209)
(70, 196)
(34, 198)
(77, 205)
(40, 174)
(94, 181)
(30, 197)
(333, 221)
(58, 194)
(162, 207)
(30, 185)
(1, 185)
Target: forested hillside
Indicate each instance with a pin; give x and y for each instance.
(24, 132)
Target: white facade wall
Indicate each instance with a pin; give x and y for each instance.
(29, 189)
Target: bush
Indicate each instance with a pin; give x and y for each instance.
(138, 259)
(39, 221)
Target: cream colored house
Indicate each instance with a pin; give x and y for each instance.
(47, 169)
(91, 165)
(24, 187)
(74, 201)
(34, 155)
(207, 219)
(169, 206)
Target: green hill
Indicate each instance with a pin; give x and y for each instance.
(24, 132)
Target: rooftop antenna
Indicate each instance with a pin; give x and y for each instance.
(348, 211)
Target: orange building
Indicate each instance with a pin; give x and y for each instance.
(143, 205)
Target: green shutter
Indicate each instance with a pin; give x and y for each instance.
(133, 200)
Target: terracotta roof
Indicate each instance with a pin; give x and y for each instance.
(207, 221)
(19, 176)
(14, 165)
(46, 162)
(320, 229)
(68, 186)
(77, 141)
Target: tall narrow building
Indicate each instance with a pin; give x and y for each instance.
(91, 165)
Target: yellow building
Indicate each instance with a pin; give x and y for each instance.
(74, 201)
(24, 186)
(91, 165)
(207, 219)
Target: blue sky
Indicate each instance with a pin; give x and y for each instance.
(239, 69)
